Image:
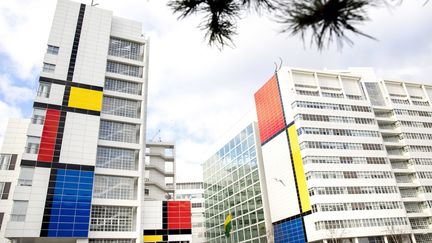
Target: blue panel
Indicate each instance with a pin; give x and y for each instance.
(71, 203)
(290, 231)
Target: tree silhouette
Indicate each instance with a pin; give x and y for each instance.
(327, 20)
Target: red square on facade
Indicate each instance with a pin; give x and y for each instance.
(179, 215)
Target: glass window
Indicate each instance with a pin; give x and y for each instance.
(38, 116)
(26, 176)
(118, 131)
(125, 49)
(52, 49)
(124, 69)
(48, 67)
(114, 187)
(123, 86)
(111, 218)
(44, 89)
(19, 210)
(121, 107)
(4, 161)
(32, 146)
(117, 158)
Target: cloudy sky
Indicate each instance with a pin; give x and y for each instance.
(198, 93)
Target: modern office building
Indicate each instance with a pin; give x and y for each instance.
(80, 179)
(10, 156)
(160, 167)
(347, 156)
(194, 191)
(232, 185)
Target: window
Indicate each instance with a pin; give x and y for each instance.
(123, 86)
(121, 107)
(125, 49)
(26, 176)
(32, 145)
(7, 161)
(4, 190)
(111, 240)
(38, 116)
(146, 191)
(197, 205)
(117, 158)
(19, 211)
(52, 49)
(1, 219)
(169, 152)
(114, 187)
(118, 131)
(48, 67)
(124, 69)
(44, 89)
(111, 218)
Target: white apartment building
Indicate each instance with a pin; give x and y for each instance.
(80, 179)
(347, 156)
(194, 191)
(160, 167)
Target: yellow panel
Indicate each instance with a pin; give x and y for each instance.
(153, 238)
(85, 99)
(298, 169)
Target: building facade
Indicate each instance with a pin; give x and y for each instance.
(10, 156)
(160, 167)
(80, 179)
(194, 191)
(347, 156)
(232, 185)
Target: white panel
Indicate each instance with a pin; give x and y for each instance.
(180, 238)
(80, 137)
(126, 28)
(395, 88)
(284, 78)
(304, 78)
(93, 47)
(351, 86)
(55, 95)
(415, 90)
(152, 215)
(282, 194)
(328, 81)
(429, 92)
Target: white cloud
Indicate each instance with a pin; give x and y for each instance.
(13, 94)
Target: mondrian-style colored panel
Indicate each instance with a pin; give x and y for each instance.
(298, 169)
(179, 215)
(269, 110)
(291, 231)
(49, 135)
(153, 238)
(68, 203)
(85, 99)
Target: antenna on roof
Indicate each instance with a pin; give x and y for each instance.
(93, 4)
(277, 67)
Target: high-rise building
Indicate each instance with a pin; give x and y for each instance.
(194, 191)
(80, 179)
(232, 185)
(10, 154)
(160, 167)
(347, 156)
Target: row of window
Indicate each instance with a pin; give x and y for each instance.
(412, 112)
(332, 95)
(423, 136)
(126, 49)
(400, 101)
(330, 106)
(416, 124)
(352, 190)
(118, 131)
(425, 174)
(114, 187)
(124, 69)
(421, 161)
(418, 148)
(348, 175)
(337, 119)
(358, 223)
(112, 218)
(117, 158)
(329, 95)
(337, 145)
(344, 160)
(121, 107)
(422, 103)
(337, 132)
(122, 86)
(354, 206)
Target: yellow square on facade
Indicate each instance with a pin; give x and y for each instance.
(153, 238)
(85, 99)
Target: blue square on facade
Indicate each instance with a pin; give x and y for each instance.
(290, 231)
(71, 203)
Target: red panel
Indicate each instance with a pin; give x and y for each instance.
(179, 215)
(49, 135)
(269, 109)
